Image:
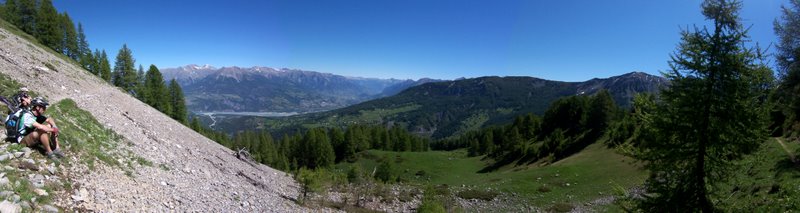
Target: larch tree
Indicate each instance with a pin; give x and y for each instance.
(26, 16)
(157, 92)
(177, 101)
(711, 115)
(84, 52)
(94, 66)
(69, 39)
(47, 26)
(141, 90)
(788, 58)
(11, 12)
(124, 70)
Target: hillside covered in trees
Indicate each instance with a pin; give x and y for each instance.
(58, 32)
(699, 133)
(444, 109)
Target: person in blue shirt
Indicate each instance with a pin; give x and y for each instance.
(44, 132)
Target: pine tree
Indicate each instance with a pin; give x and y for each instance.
(141, 90)
(94, 66)
(788, 58)
(315, 150)
(178, 102)
(85, 56)
(709, 117)
(11, 12)
(194, 124)
(69, 41)
(350, 144)
(125, 71)
(105, 67)
(266, 149)
(48, 26)
(599, 112)
(26, 16)
(338, 143)
(157, 92)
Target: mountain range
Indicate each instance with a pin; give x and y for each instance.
(446, 108)
(264, 89)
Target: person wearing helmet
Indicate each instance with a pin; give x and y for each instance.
(23, 99)
(40, 132)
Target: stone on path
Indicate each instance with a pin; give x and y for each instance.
(8, 207)
(49, 208)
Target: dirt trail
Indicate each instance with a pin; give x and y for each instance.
(789, 152)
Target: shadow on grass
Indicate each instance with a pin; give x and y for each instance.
(787, 167)
(495, 166)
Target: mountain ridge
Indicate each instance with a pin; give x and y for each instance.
(441, 109)
(265, 89)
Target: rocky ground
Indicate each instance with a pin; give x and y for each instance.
(24, 180)
(194, 173)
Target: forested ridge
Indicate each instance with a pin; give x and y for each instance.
(721, 105)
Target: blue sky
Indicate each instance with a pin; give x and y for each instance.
(567, 40)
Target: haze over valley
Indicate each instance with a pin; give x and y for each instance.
(400, 106)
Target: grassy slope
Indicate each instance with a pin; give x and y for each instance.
(596, 172)
(85, 141)
(767, 181)
(92, 137)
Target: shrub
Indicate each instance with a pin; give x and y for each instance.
(355, 174)
(430, 206)
(385, 171)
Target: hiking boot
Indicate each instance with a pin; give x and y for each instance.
(58, 153)
(51, 155)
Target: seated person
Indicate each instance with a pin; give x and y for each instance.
(23, 99)
(44, 133)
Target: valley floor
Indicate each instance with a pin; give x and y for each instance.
(585, 180)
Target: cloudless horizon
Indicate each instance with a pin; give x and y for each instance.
(559, 40)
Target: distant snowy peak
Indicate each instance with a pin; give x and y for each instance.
(263, 69)
(195, 67)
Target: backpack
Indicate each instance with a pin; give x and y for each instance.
(14, 124)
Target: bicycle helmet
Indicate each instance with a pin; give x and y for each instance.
(39, 101)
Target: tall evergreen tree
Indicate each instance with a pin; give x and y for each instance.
(48, 26)
(195, 125)
(157, 92)
(788, 58)
(94, 66)
(26, 16)
(267, 151)
(177, 101)
(105, 67)
(69, 41)
(338, 142)
(315, 150)
(84, 52)
(124, 70)
(710, 116)
(601, 106)
(11, 12)
(141, 90)
(349, 147)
